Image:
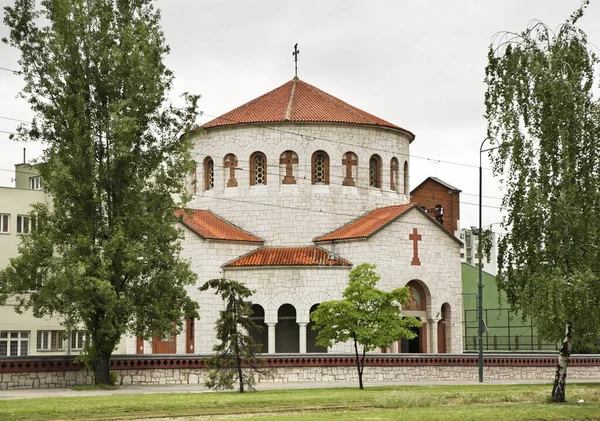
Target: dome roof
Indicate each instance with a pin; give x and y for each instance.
(298, 101)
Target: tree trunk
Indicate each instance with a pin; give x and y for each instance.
(102, 369)
(360, 380)
(560, 379)
(238, 359)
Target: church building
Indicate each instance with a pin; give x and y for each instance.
(292, 190)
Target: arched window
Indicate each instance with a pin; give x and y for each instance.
(230, 163)
(439, 213)
(209, 173)
(311, 336)
(320, 168)
(288, 166)
(394, 169)
(287, 331)
(260, 333)
(375, 171)
(405, 177)
(258, 169)
(350, 165)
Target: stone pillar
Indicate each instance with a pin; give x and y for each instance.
(271, 337)
(432, 340)
(302, 337)
(395, 347)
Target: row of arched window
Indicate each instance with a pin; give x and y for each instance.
(288, 168)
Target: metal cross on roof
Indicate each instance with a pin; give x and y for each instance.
(295, 54)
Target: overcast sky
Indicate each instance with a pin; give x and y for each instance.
(417, 64)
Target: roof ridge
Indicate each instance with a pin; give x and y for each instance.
(288, 111)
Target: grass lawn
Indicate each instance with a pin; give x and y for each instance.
(406, 403)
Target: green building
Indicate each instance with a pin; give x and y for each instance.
(507, 331)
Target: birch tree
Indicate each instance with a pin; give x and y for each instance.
(541, 107)
(105, 254)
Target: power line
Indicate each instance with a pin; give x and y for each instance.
(9, 70)
(15, 119)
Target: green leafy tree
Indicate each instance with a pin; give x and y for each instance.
(234, 360)
(541, 108)
(105, 254)
(368, 317)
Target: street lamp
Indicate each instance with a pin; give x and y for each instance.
(480, 324)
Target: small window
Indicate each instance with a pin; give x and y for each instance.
(462, 236)
(24, 224)
(35, 183)
(78, 339)
(50, 340)
(375, 171)
(350, 164)
(14, 343)
(4, 223)
(438, 211)
(230, 163)
(394, 170)
(209, 173)
(462, 255)
(193, 180)
(258, 169)
(320, 168)
(405, 177)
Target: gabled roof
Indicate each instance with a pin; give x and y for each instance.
(211, 227)
(287, 256)
(441, 182)
(298, 101)
(367, 225)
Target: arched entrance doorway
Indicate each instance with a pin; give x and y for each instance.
(311, 336)
(416, 307)
(260, 334)
(287, 331)
(443, 330)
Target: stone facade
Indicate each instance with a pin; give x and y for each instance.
(318, 369)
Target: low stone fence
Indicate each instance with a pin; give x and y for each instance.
(53, 372)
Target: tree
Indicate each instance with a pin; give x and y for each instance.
(235, 354)
(367, 316)
(105, 254)
(541, 109)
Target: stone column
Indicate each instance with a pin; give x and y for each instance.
(271, 336)
(433, 348)
(395, 347)
(302, 337)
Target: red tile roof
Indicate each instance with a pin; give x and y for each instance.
(298, 101)
(368, 224)
(287, 256)
(211, 227)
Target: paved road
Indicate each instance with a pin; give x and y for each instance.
(134, 390)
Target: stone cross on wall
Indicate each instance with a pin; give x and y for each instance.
(289, 159)
(415, 237)
(349, 161)
(231, 163)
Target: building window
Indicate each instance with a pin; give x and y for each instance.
(405, 177)
(320, 168)
(350, 163)
(375, 171)
(230, 163)
(4, 223)
(462, 255)
(50, 340)
(288, 164)
(78, 339)
(35, 183)
(25, 224)
(193, 179)
(258, 169)
(209, 173)
(14, 344)
(438, 211)
(394, 169)
(462, 236)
